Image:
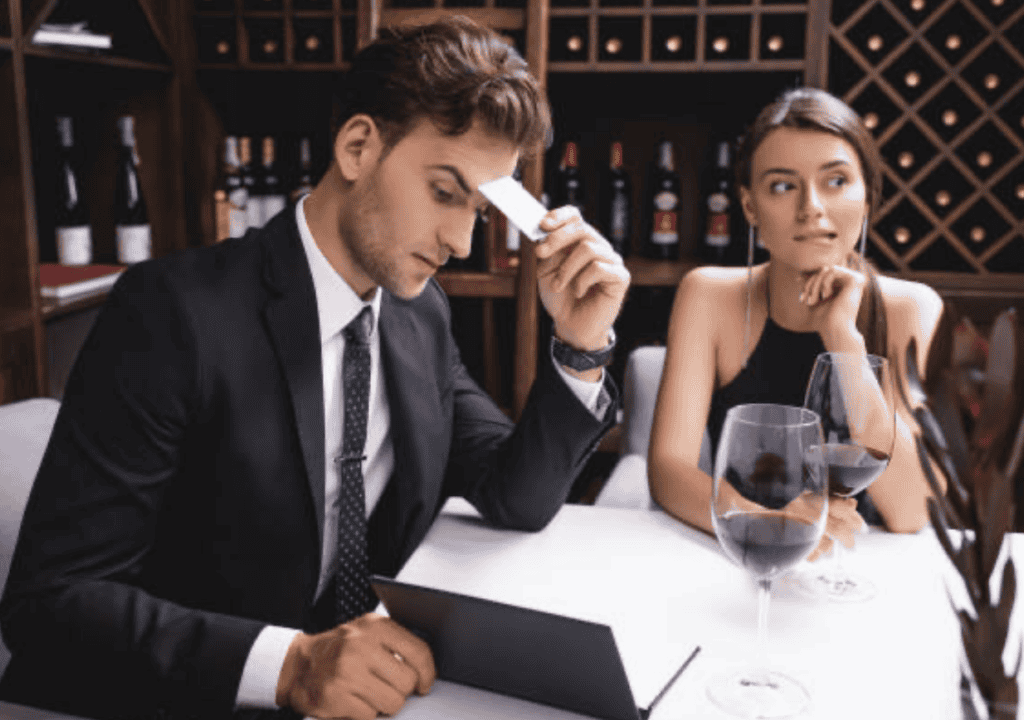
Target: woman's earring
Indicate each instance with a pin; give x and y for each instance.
(751, 241)
(864, 236)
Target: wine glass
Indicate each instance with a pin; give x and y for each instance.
(769, 506)
(853, 396)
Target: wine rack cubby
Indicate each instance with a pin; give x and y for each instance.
(677, 35)
(941, 85)
(294, 34)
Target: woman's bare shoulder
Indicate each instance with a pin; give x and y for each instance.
(714, 280)
(913, 307)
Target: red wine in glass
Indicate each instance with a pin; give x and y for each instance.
(852, 468)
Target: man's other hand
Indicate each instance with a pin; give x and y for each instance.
(358, 670)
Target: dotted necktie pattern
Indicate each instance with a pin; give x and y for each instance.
(353, 594)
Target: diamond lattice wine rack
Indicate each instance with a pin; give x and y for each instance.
(940, 83)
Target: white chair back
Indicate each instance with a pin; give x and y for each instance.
(25, 429)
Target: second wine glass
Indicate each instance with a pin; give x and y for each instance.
(853, 396)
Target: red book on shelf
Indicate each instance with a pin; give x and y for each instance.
(63, 281)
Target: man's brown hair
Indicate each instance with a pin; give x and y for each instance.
(451, 71)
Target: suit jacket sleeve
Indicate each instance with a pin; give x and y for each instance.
(76, 597)
(519, 476)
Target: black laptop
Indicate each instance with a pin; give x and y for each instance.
(549, 659)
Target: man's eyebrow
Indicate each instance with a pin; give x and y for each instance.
(787, 171)
(457, 175)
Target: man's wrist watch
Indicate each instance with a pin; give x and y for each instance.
(582, 360)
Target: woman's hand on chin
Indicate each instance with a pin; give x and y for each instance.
(832, 296)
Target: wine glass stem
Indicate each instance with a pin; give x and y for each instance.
(763, 597)
(838, 575)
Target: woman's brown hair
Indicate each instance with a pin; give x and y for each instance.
(451, 71)
(813, 109)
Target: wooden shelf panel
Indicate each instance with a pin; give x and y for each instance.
(12, 320)
(677, 10)
(645, 272)
(297, 67)
(52, 53)
(52, 308)
(459, 283)
(687, 66)
(5, 43)
(497, 18)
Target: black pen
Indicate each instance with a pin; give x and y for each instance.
(644, 714)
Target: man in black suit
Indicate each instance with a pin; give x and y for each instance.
(252, 428)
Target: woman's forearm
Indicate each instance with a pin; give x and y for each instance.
(682, 490)
(900, 493)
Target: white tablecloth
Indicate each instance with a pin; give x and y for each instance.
(664, 587)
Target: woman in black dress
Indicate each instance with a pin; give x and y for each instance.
(809, 177)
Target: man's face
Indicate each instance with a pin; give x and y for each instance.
(417, 206)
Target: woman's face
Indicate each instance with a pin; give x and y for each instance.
(807, 197)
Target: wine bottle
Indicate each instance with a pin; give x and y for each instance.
(74, 236)
(134, 241)
(718, 240)
(662, 241)
(245, 170)
(231, 196)
(268, 193)
(304, 184)
(617, 206)
(569, 189)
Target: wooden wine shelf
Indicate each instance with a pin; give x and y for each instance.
(645, 272)
(42, 51)
(461, 283)
(676, 10)
(289, 66)
(497, 18)
(675, 66)
(15, 320)
(927, 158)
(52, 308)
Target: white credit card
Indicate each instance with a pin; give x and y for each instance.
(517, 204)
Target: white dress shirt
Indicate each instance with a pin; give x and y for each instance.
(337, 305)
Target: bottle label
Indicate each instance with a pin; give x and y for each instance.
(718, 202)
(665, 229)
(619, 218)
(718, 230)
(74, 245)
(134, 243)
(666, 201)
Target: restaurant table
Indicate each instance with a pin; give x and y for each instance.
(664, 587)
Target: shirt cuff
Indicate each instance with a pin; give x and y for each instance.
(258, 688)
(591, 394)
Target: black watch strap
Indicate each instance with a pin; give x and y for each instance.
(582, 360)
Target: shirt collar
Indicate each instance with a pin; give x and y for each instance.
(337, 303)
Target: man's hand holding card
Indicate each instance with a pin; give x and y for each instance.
(582, 280)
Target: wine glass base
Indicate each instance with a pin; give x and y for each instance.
(762, 694)
(845, 588)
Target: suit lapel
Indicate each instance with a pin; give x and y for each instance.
(291, 319)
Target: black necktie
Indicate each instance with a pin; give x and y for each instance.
(352, 592)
